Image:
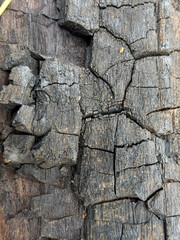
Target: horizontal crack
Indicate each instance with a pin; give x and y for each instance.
(153, 54)
(58, 219)
(163, 109)
(143, 165)
(99, 149)
(133, 144)
(126, 5)
(61, 84)
(105, 113)
(150, 87)
(118, 199)
(173, 216)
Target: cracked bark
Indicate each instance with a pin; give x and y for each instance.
(90, 120)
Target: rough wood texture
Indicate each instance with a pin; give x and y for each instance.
(89, 120)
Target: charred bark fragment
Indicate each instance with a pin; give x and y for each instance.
(89, 120)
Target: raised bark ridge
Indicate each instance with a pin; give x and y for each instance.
(91, 145)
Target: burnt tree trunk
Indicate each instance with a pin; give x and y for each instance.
(89, 120)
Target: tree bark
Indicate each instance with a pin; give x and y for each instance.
(89, 120)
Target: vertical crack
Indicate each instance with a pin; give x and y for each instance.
(114, 169)
(84, 225)
(165, 229)
(122, 231)
(158, 25)
(125, 92)
(114, 157)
